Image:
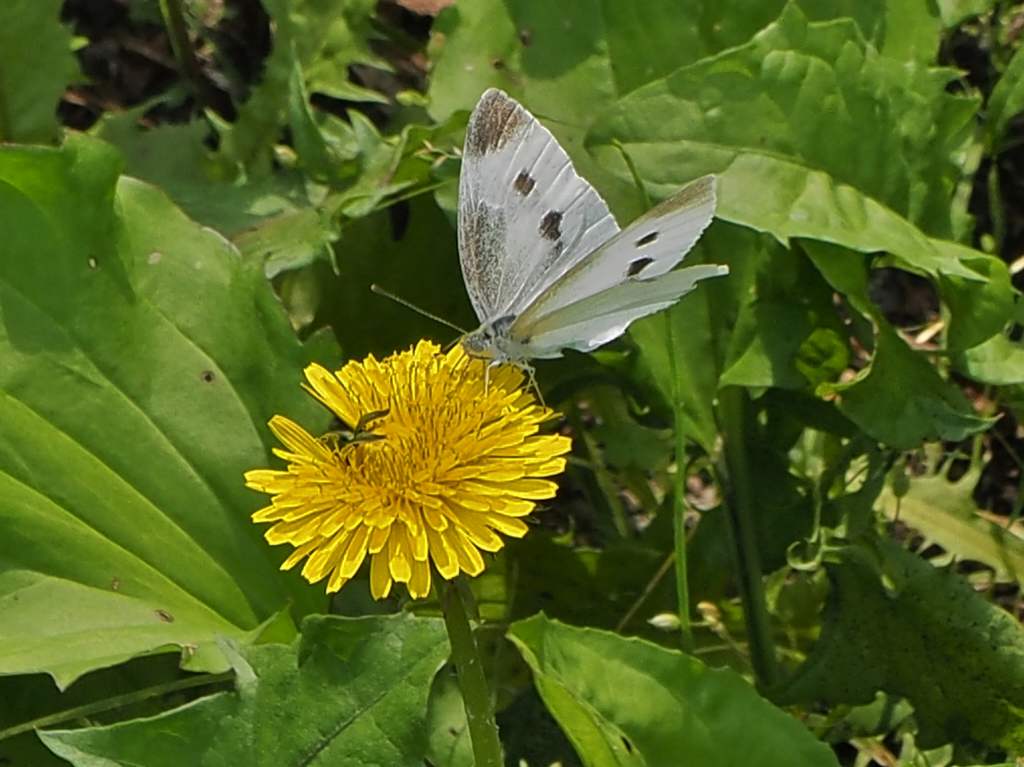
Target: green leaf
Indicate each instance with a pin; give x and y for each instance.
(36, 65)
(142, 361)
(1006, 100)
(998, 361)
(978, 310)
(877, 399)
(927, 637)
(945, 513)
(954, 12)
(801, 125)
(652, 706)
(288, 241)
(348, 691)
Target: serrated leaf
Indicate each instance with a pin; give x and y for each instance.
(618, 716)
(36, 65)
(877, 399)
(880, 402)
(945, 513)
(348, 691)
(929, 638)
(141, 361)
(801, 125)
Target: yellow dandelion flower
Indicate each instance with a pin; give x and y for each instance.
(441, 469)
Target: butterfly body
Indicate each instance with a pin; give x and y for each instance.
(545, 264)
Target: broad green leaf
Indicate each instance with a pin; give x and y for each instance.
(348, 691)
(36, 65)
(629, 702)
(141, 361)
(945, 513)
(1006, 100)
(978, 311)
(998, 361)
(878, 399)
(802, 125)
(921, 633)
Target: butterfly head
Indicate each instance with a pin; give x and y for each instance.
(491, 341)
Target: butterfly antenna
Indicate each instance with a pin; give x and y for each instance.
(409, 305)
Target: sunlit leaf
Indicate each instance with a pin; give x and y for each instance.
(802, 125)
(141, 363)
(348, 691)
(715, 714)
(945, 513)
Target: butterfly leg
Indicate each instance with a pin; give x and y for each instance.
(529, 370)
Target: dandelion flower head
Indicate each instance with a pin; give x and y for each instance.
(446, 468)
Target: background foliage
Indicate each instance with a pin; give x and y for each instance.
(193, 208)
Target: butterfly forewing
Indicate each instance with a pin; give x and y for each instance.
(648, 248)
(525, 216)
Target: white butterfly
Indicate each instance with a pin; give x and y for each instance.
(545, 265)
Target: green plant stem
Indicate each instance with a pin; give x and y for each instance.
(679, 501)
(739, 503)
(476, 693)
(174, 20)
(117, 701)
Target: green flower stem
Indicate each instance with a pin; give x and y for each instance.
(476, 694)
(177, 30)
(679, 502)
(740, 507)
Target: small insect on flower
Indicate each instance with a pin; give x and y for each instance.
(433, 471)
(362, 432)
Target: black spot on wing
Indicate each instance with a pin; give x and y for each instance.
(638, 265)
(647, 239)
(551, 225)
(495, 120)
(524, 183)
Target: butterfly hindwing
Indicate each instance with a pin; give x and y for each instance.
(590, 322)
(525, 216)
